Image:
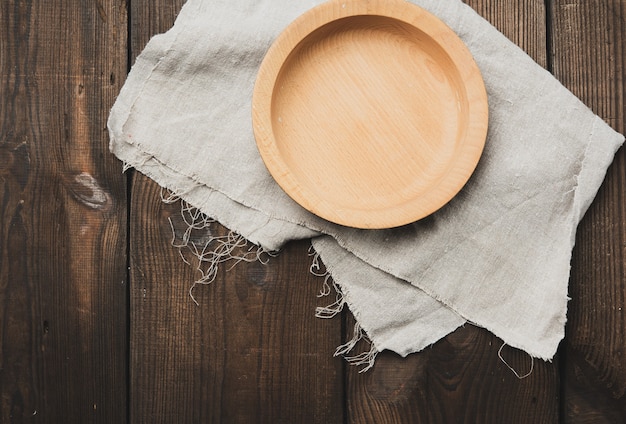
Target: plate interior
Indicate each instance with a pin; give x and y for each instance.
(370, 120)
(367, 111)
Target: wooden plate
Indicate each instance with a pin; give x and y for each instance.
(369, 113)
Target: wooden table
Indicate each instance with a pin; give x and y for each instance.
(96, 324)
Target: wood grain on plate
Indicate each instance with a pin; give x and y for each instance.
(370, 114)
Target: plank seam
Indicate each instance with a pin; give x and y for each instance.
(129, 184)
(549, 35)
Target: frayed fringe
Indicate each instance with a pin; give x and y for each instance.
(518, 375)
(365, 359)
(329, 311)
(209, 251)
(212, 251)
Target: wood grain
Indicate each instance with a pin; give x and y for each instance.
(252, 351)
(395, 390)
(149, 18)
(523, 22)
(470, 383)
(356, 141)
(461, 378)
(63, 291)
(589, 58)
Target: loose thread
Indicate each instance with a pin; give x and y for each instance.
(316, 269)
(209, 251)
(316, 264)
(212, 251)
(366, 358)
(168, 196)
(331, 310)
(520, 377)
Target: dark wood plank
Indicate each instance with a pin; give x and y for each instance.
(459, 379)
(148, 19)
(589, 58)
(521, 21)
(395, 390)
(63, 294)
(462, 378)
(252, 351)
(470, 383)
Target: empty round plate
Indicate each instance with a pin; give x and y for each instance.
(370, 113)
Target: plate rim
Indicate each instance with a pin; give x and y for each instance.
(403, 11)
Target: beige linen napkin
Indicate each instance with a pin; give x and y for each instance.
(497, 255)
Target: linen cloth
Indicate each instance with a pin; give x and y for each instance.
(497, 256)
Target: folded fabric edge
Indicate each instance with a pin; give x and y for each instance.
(256, 226)
(132, 158)
(186, 189)
(159, 173)
(603, 144)
(416, 320)
(542, 350)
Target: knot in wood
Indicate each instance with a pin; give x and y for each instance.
(86, 190)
